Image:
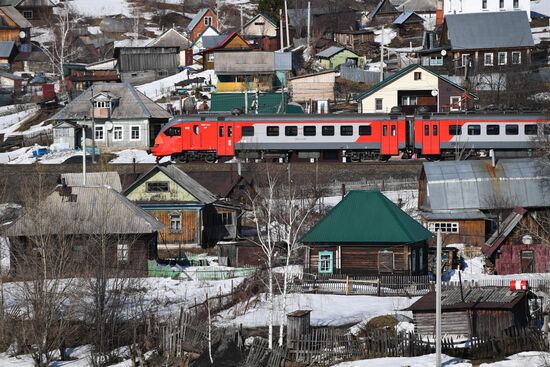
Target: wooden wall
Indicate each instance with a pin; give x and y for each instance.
(471, 232)
(190, 226)
(452, 322)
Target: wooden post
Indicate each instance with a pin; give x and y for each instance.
(347, 285)
(378, 287)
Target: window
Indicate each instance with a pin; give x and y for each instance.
(378, 104)
(444, 227)
(291, 130)
(157, 186)
(365, 130)
(61, 132)
(229, 131)
(385, 130)
(465, 59)
(434, 128)
(455, 103)
(173, 131)
(385, 261)
(516, 57)
(207, 21)
(224, 219)
(488, 59)
(455, 130)
(99, 133)
(502, 58)
(408, 101)
(327, 130)
(493, 130)
(425, 60)
(436, 60)
(135, 133)
(530, 129)
(474, 130)
(346, 130)
(528, 261)
(325, 262)
(175, 223)
(426, 130)
(248, 130)
(273, 131)
(27, 14)
(117, 133)
(484, 4)
(413, 260)
(421, 259)
(501, 4)
(196, 129)
(102, 104)
(122, 254)
(393, 130)
(310, 131)
(221, 132)
(516, 4)
(512, 129)
(417, 75)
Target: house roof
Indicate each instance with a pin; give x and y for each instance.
(94, 210)
(6, 48)
(94, 179)
(476, 184)
(312, 74)
(399, 74)
(507, 226)
(407, 15)
(474, 298)
(506, 29)
(132, 104)
(383, 4)
(266, 17)
(418, 5)
(453, 215)
(16, 16)
(201, 193)
(197, 19)
(34, 3)
(221, 183)
(171, 38)
(367, 217)
(330, 52)
(213, 43)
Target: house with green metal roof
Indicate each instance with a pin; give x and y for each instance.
(364, 234)
(413, 87)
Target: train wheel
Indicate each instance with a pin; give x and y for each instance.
(384, 158)
(210, 158)
(183, 158)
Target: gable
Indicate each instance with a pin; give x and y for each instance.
(142, 192)
(6, 18)
(236, 42)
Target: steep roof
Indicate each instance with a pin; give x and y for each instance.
(201, 193)
(408, 16)
(16, 16)
(92, 210)
(212, 43)
(506, 29)
(367, 217)
(331, 51)
(507, 226)
(383, 7)
(35, 3)
(399, 74)
(94, 179)
(266, 17)
(197, 19)
(171, 38)
(6, 48)
(132, 103)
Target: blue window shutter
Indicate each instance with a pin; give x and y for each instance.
(330, 254)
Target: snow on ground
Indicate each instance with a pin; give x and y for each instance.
(327, 310)
(18, 156)
(141, 156)
(4, 256)
(10, 122)
(101, 8)
(523, 359)
(541, 6)
(540, 34)
(422, 361)
(163, 87)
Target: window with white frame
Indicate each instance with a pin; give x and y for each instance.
(175, 223)
(118, 133)
(135, 133)
(502, 58)
(465, 59)
(484, 4)
(436, 60)
(99, 133)
(516, 4)
(102, 104)
(425, 60)
(455, 103)
(408, 100)
(444, 227)
(488, 59)
(122, 253)
(516, 57)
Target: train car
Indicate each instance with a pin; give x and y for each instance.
(346, 137)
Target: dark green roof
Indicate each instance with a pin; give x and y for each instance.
(367, 218)
(398, 75)
(269, 19)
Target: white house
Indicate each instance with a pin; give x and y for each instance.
(474, 6)
(260, 26)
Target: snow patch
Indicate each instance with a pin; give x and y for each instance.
(141, 156)
(422, 361)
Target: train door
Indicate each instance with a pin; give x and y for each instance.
(430, 138)
(225, 139)
(389, 144)
(196, 136)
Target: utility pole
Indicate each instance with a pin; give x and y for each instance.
(242, 21)
(281, 29)
(308, 23)
(93, 126)
(382, 56)
(438, 302)
(83, 155)
(286, 20)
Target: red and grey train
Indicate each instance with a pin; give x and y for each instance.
(353, 137)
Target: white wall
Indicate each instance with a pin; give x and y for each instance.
(475, 6)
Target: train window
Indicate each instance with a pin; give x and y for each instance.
(273, 131)
(435, 130)
(512, 129)
(365, 130)
(291, 130)
(455, 130)
(531, 129)
(426, 130)
(474, 130)
(310, 131)
(346, 130)
(493, 130)
(196, 129)
(248, 130)
(385, 130)
(173, 131)
(229, 131)
(221, 132)
(327, 130)
(393, 130)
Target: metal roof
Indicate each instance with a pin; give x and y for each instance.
(331, 51)
(263, 62)
(405, 16)
(507, 29)
(171, 38)
(213, 41)
(6, 48)
(197, 19)
(131, 104)
(498, 236)
(16, 16)
(268, 18)
(418, 5)
(453, 215)
(30, 3)
(92, 210)
(470, 185)
(94, 179)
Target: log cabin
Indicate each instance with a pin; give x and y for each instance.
(366, 234)
(13, 26)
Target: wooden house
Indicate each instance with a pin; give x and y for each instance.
(354, 39)
(198, 44)
(221, 43)
(472, 312)
(261, 25)
(140, 65)
(384, 13)
(192, 214)
(521, 244)
(313, 87)
(334, 56)
(13, 26)
(78, 222)
(409, 23)
(366, 234)
(172, 38)
(204, 19)
(38, 12)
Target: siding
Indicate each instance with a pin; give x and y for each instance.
(340, 59)
(190, 226)
(258, 30)
(315, 87)
(176, 193)
(108, 143)
(455, 323)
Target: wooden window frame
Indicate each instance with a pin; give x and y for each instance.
(175, 218)
(148, 186)
(320, 262)
(132, 132)
(386, 252)
(122, 253)
(445, 227)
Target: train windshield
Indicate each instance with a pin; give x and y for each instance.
(173, 131)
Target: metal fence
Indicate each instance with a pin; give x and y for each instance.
(359, 75)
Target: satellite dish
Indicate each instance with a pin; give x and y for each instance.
(22, 34)
(109, 125)
(435, 92)
(443, 52)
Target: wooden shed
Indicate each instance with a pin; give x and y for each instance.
(366, 234)
(313, 87)
(472, 312)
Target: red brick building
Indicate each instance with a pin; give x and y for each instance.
(205, 18)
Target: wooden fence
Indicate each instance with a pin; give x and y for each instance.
(534, 283)
(376, 285)
(261, 356)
